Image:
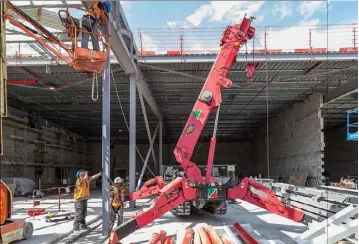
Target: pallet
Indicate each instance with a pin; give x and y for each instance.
(52, 216)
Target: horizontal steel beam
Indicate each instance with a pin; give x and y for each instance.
(342, 91)
(209, 58)
(201, 58)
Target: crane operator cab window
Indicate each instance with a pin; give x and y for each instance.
(93, 24)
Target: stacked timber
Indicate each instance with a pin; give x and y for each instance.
(199, 234)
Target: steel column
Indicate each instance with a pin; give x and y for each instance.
(132, 146)
(106, 118)
(160, 149)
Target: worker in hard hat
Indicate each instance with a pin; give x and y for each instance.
(81, 195)
(95, 15)
(118, 192)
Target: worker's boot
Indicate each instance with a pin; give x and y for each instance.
(76, 227)
(84, 227)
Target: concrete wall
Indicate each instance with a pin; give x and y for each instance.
(33, 145)
(341, 156)
(295, 142)
(238, 153)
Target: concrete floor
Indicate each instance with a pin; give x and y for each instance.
(265, 225)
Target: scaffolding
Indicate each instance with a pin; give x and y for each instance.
(352, 136)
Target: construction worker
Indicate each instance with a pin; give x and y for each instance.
(81, 195)
(118, 192)
(90, 19)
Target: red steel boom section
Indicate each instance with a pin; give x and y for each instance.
(210, 97)
(188, 188)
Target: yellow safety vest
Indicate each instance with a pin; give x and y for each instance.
(82, 190)
(94, 12)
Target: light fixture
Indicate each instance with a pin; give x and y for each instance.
(52, 87)
(120, 130)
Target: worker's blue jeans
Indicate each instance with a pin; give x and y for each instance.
(89, 25)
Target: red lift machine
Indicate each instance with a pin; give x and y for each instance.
(86, 60)
(193, 189)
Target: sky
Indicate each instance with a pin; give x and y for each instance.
(214, 13)
(197, 26)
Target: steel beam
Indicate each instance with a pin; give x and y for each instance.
(199, 58)
(106, 119)
(147, 125)
(283, 57)
(342, 91)
(132, 146)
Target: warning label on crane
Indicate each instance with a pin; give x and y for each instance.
(190, 129)
(197, 114)
(212, 192)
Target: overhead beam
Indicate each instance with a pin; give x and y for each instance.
(200, 58)
(342, 91)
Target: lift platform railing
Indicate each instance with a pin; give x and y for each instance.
(79, 58)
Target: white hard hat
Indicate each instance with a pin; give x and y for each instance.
(118, 180)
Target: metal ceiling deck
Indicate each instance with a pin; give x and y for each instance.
(243, 109)
(281, 80)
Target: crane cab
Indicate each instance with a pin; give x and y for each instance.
(84, 59)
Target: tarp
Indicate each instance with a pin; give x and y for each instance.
(24, 186)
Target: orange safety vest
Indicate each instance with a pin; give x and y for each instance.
(82, 190)
(95, 12)
(116, 197)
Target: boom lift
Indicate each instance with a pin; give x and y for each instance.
(78, 58)
(11, 229)
(193, 189)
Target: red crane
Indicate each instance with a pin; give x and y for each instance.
(205, 192)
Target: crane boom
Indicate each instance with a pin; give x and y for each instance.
(192, 187)
(210, 97)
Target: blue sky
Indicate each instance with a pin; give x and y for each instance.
(213, 14)
(149, 14)
(297, 20)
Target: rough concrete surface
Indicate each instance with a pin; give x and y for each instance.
(269, 226)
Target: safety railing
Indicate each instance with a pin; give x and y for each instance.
(46, 194)
(267, 40)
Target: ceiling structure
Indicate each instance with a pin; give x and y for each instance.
(244, 107)
(63, 95)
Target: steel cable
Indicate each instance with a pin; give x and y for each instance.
(124, 117)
